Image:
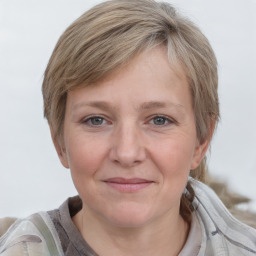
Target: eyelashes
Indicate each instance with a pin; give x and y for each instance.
(160, 120)
(95, 121)
(98, 121)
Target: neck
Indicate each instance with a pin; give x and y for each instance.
(164, 236)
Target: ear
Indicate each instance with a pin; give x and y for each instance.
(60, 149)
(201, 149)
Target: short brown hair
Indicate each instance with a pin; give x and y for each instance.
(112, 33)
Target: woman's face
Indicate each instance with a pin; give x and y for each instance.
(130, 141)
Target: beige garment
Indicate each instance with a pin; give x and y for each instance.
(5, 223)
(32, 236)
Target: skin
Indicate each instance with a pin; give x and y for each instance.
(130, 141)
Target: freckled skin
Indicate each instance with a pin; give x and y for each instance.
(130, 141)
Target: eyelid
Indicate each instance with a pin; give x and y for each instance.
(168, 118)
(150, 118)
(86, 119)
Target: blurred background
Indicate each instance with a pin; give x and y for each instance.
(31, 177)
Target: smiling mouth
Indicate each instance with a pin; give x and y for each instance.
(128, 185)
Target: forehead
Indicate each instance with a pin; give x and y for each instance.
(148, 81)
(151, 63)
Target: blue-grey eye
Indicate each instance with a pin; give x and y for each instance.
(96, 120)
(159, 120)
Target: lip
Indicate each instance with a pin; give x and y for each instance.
(128, 185)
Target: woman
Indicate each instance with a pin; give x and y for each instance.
(130, 95)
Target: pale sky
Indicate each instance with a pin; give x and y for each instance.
(31, 177)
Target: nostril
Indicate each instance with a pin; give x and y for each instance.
(128, 158)
(127, 147)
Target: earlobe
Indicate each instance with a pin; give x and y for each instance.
(202, 148)
(199, 154)
(60, 149)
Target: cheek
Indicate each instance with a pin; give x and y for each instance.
(85, 155)
(173, 156)
(172, 160)
(85, 159)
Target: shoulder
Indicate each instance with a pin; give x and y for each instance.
(31, 236)
(222, 233)
(5, 223)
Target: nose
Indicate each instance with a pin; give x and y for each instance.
(127, 147)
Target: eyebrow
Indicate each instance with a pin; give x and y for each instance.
(158, 104)
(144, 106)
(97, 104)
